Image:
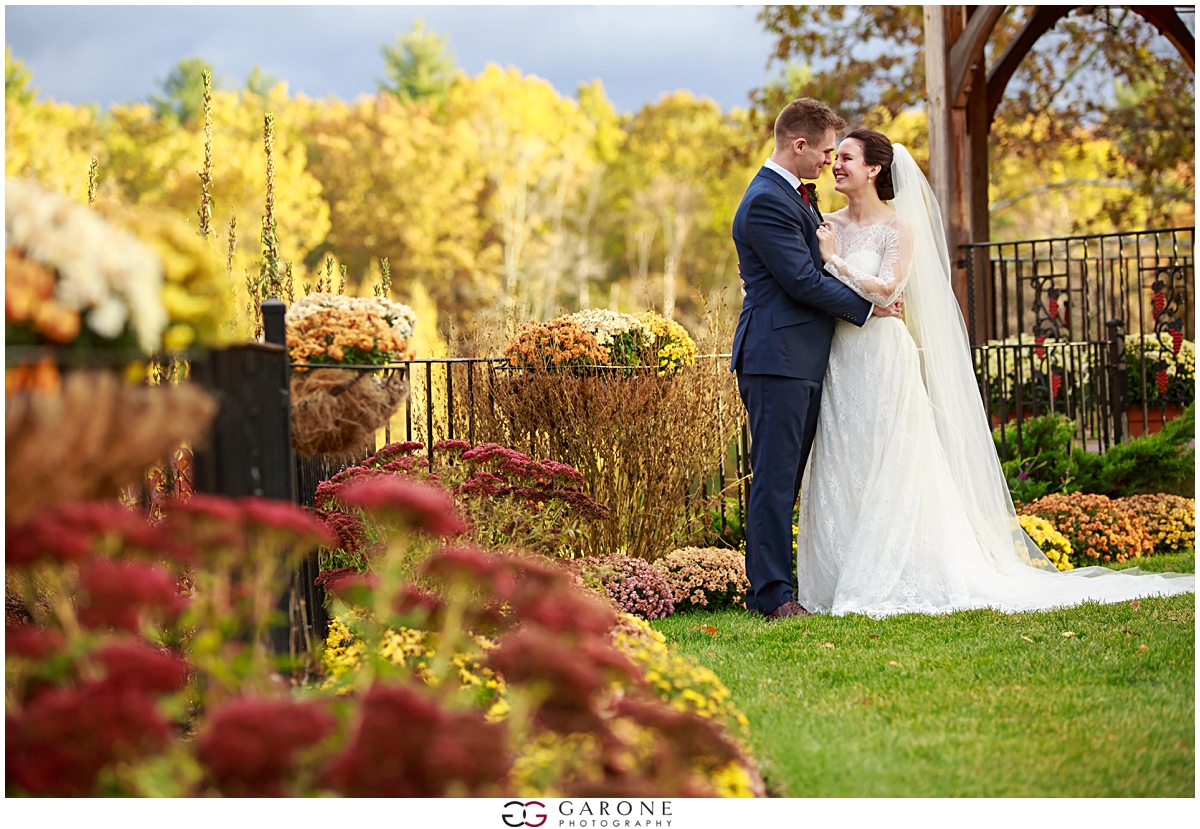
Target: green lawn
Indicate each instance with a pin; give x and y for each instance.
(977, 703)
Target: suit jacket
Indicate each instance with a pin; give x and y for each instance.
(786, 325)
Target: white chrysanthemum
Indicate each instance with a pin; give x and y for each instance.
(103, 272)
(607, 325)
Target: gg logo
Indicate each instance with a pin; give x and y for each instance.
(511, 819)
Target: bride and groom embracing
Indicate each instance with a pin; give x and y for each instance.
(853, 363)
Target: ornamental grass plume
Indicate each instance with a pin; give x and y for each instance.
(1098, 528)
(1170, 520)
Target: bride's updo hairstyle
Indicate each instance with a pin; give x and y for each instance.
(877, 149)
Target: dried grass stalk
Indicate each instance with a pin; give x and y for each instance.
(335, 411)
(93, 438)
(638, 440)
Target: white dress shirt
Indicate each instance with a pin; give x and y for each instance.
(788, 175)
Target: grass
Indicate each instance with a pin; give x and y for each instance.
(1092, 701)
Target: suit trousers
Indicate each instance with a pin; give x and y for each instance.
(782, 414)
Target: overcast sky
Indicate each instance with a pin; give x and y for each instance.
(107, 54)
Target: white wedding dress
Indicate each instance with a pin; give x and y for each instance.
(890, 521)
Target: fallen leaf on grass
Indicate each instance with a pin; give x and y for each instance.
(894, 662)
(1026, 638)
(709, 629)
(867, 702)
(1134, 605)
(874, 635)
(1143, 647)
(1069, 633)
(827, 645)
(1131, 633)
(711, 653)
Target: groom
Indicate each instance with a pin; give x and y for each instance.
(781, 346)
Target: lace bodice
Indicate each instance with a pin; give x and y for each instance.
(872, 260)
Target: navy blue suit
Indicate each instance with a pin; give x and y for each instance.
(780, 353)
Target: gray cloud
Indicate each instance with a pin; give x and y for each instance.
(106, 54)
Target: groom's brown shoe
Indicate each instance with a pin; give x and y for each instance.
(787, 609)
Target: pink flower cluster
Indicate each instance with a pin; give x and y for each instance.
(634, 585)
(508, 498)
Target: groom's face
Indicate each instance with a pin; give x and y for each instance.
(813, 157)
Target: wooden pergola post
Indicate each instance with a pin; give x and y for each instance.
(962, 99)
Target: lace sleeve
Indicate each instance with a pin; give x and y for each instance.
(885, 287)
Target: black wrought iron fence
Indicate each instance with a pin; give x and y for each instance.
(1068, 290)
(452, 398)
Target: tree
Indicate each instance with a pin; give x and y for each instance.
(672, 178)
(259, 82)
(418, 65)
(154, 162)
(182, 95)
(536, 149)
(16, 80)
(1102, 74)
(402, 184)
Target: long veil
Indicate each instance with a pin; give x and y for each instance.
(933, 318)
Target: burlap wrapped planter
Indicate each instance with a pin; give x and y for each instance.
(335, 411)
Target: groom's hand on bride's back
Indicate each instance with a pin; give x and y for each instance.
(896, 309)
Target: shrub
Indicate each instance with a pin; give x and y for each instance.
(1163, 462)
(1098, 528)
(637, 440)
(1170, 520)
(1051, 542)
(1047, 462)
(508, 499)
(711, 578)
(632, 584)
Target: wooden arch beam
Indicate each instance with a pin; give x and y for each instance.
(1163, 18)
(967, 51)
(1170, 26)
(1042, 21)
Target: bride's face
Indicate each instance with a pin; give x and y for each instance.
(851, 173)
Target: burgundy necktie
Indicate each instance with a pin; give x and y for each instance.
(804, 195)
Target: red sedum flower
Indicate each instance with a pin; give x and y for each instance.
(406, 746)
(114, 593)
(64, 737)
(422, 506)
(250, 744)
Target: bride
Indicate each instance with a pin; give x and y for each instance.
(904, 508)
